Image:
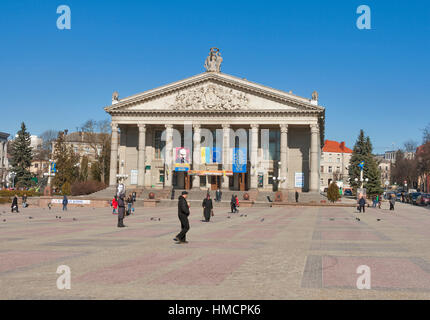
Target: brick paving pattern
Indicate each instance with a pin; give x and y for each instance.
(271, 253)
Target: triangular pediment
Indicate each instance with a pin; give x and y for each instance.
(213, 91)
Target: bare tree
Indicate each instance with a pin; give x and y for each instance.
(426, 134)
(410, 145)
(45, 151)
(97, 135)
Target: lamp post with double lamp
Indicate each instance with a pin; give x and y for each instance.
(13, 175)
(121, 177)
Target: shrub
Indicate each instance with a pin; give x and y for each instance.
(86, 187)
(333, 192)
(20, 193)
(65, 188)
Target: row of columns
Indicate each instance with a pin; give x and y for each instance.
(314, 177)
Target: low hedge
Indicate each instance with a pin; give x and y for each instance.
(20, 193)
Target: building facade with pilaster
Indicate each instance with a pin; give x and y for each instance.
(214, 130)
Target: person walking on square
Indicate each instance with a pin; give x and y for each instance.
(183, 213)
(297, 196)
(114, 205)
(24, 200)
(237, 203)
(207, 207)
(65, 202)
(392, 202)
(129, 204)
(362, 204)
(121, 210)
(233, 204)
(15, 204)
(218, 195)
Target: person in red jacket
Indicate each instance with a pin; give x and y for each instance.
(114, 204)
(237, 203)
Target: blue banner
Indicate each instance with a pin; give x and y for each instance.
(239, 159)
(216, 155)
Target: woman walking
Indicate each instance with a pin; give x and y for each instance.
(237, 203)
(207, 207)
(392, 202)
(15, 204)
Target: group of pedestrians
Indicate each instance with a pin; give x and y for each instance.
(234, 203)
(376, 202)
(118, 205)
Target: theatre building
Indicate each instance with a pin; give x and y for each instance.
(216, 130)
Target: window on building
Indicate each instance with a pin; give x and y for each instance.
(338, 160)
(161, 175)
(158, 145)
(337, 169)
(322, 168)
(36, 165)
(274, 151)
(330, 169)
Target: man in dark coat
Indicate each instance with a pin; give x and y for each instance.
(121, 210)
(297, 196)
(207, 207)
(233, 204)
(183, 213)
(362, 204)
(15, 203)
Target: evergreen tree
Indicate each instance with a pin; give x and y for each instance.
(363, 152)
(96, 172)
(83, 174)
(66, 160)
(333, 192)
(358, 155)
(21, 158)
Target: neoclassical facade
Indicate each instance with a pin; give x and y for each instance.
(216, 130)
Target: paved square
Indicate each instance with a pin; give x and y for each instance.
(272, 253)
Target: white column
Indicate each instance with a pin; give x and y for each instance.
(168, 156)
(254, 156)
(284, 156)
(113, 155)
(141, 155)
(196, 155)
(314, 158)
(225, 153)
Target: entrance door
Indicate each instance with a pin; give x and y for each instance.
(242, 181)
(215, 182)
(187, 181)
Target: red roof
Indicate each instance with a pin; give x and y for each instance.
(336, 147)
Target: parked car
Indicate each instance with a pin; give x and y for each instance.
(423, 199)
(347, 192)
(389, 194)
(413, 197)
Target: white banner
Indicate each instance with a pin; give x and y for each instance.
(71, 201)
(299, 181)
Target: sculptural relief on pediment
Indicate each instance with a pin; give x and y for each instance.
(210, 97)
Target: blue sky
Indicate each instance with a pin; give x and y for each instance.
(375, 79)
